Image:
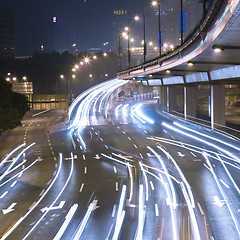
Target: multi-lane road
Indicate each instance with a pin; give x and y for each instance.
(127, 172)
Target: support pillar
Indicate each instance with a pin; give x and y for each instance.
(171, 98)
(163, 97)
(217, 105)
(190, 101)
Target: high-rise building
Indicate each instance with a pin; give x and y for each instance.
(120, 20)
(6, 34)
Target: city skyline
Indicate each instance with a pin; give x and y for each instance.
(88, 24)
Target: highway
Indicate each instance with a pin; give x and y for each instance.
(126, 172)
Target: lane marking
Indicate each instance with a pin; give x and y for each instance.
(156, 210)
(41, 193)
(224, 183)
(200, 208)
(114, 210)
(141, 155)
(152, 186)
(129, 139)
(135, 145)
(117, 186)
(193, 154)
(34, 115)
(84, 158)
(85, 170)
(4, 194)
(114, 169)
(81, 187)
(13, 184)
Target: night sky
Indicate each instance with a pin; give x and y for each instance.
(90, 20)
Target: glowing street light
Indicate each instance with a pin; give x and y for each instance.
(86, 60)
(90, 75)
(105, 54)
(73, 76)
(61, 76)
(14, 79)
(24, 78)
(94, 57)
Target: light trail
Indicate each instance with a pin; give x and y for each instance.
(170, 196)
(116, 160)
(11, 153)
(222, 192)
(141, 215)
(116, 110)
(48, 208)
(84, 221)
(181, 175)
(65, 224)
(138, 113)
(120, 214)
(131, 183)
(6, 234)
(145, 179)
(228, 173)
(191, 212)
(174, 200)
(124, 110)
(15, 160)
(207, 136)
(20, 173)
(203, 141)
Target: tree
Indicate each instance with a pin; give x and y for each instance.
(13, 106)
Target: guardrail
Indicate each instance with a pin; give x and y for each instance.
(216, 7)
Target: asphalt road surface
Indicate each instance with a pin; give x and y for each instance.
(133, 173)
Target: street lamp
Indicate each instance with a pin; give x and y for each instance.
(136, 18)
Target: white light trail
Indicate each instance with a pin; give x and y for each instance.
(201, 140)
(222, 192)
(84, 221)
(15, 160)
(191, 212)
(116, 110)
(141, 215)
(11, 153)
(131, 183)
(207, 136)
(228, 173)
(145, 179)
(65, 224)
(124, 110)
(174, 200)
(120, 214)
(170, 196)
(138, 113)
(56, 199)
(6, 234)
(181, 175)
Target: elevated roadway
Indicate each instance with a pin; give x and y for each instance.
(207, 61)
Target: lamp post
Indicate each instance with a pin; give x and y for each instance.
(181, 19)
(155, 3)
(129, 60)
(119, 52)
(144, 34)
(136, 18)
(159, 30)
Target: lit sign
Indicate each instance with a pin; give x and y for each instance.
(54, 19)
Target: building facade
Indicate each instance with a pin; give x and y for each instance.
(6, 34)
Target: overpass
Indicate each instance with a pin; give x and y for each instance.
(205, 66)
